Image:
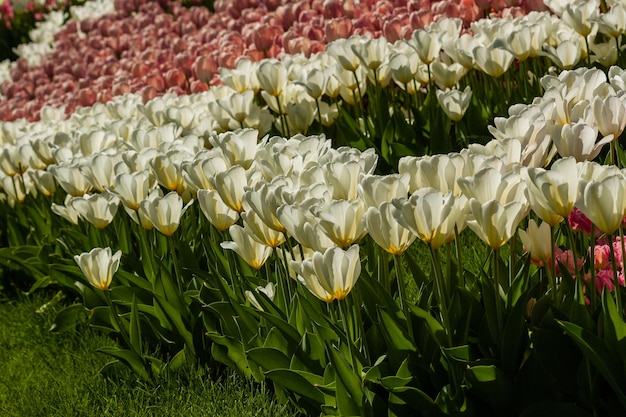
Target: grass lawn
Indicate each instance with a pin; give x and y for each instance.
(48, 374)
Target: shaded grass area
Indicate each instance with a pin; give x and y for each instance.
(48, 374)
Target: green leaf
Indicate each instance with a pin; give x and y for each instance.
(134, 331)
(230, 352)
(435, 328)
(296, 382)
(596, 351)
(348, 376)
(515, 338)
(269, 358)
(290, 332)
(346, 404)
(490, 384)
(69, 317)
(130, 358)
(174, 317)
(614, 328)
(403, 399)
(396, 337)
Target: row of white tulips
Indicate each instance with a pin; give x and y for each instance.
(327, 199)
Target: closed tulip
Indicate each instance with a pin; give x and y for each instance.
(495, 223)
(97, 209)
(454, 102)
(430, 214)
(552, 193)
(386, 231)
(536, 241)
(99, 265)
(603, 201)
(253, 253)
(164, 212)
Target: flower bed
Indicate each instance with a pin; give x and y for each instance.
(247, 239)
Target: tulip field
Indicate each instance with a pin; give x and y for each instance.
(377, 208)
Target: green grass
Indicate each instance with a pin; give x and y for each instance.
(48, 374)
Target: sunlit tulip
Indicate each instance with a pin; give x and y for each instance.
(305, 273)
(100, 169)
(343, 177)
(167, 172)
(43, 180)
(11, 162)
(402, 69)
(238, 147)
(537, 240)
(603, 201)
(436, 171)
(299, 116)
(99, 265)
(609, 115)
(371, 52)
(430, 214)
(132, 188)
(613, 22)
(164, 213)
(330, 275)
(264, 199)
(96, 141)
(447, 76)
(303, 226)
(492, 60)
(580, 15)
(490, 184)
(272, 76)
(230, 185)
(376, 189)
(566, 55)
(219, 214)
(341, 50)
(495, 223)
(552, 193)
(526, 42)
(426, 44)
(238, 105)
(97, 209)
(71, 179)
(338, 270)
(342, 221)
(454, 102)
(253, 253)
(579, 140)
(260, 231)
(14, 188)
(386, 231)
(66, 210)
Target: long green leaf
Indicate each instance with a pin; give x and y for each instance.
(130, 358)
(596, 351)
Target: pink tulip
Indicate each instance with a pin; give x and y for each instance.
(338, 29)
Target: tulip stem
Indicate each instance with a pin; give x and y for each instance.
(552, 271)
(572, 242)
(346, 328)
(443, 300)
(459, 259)
(172, 248)
(402, 290)
(498, 299)
(618, 299)
(116, 319)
